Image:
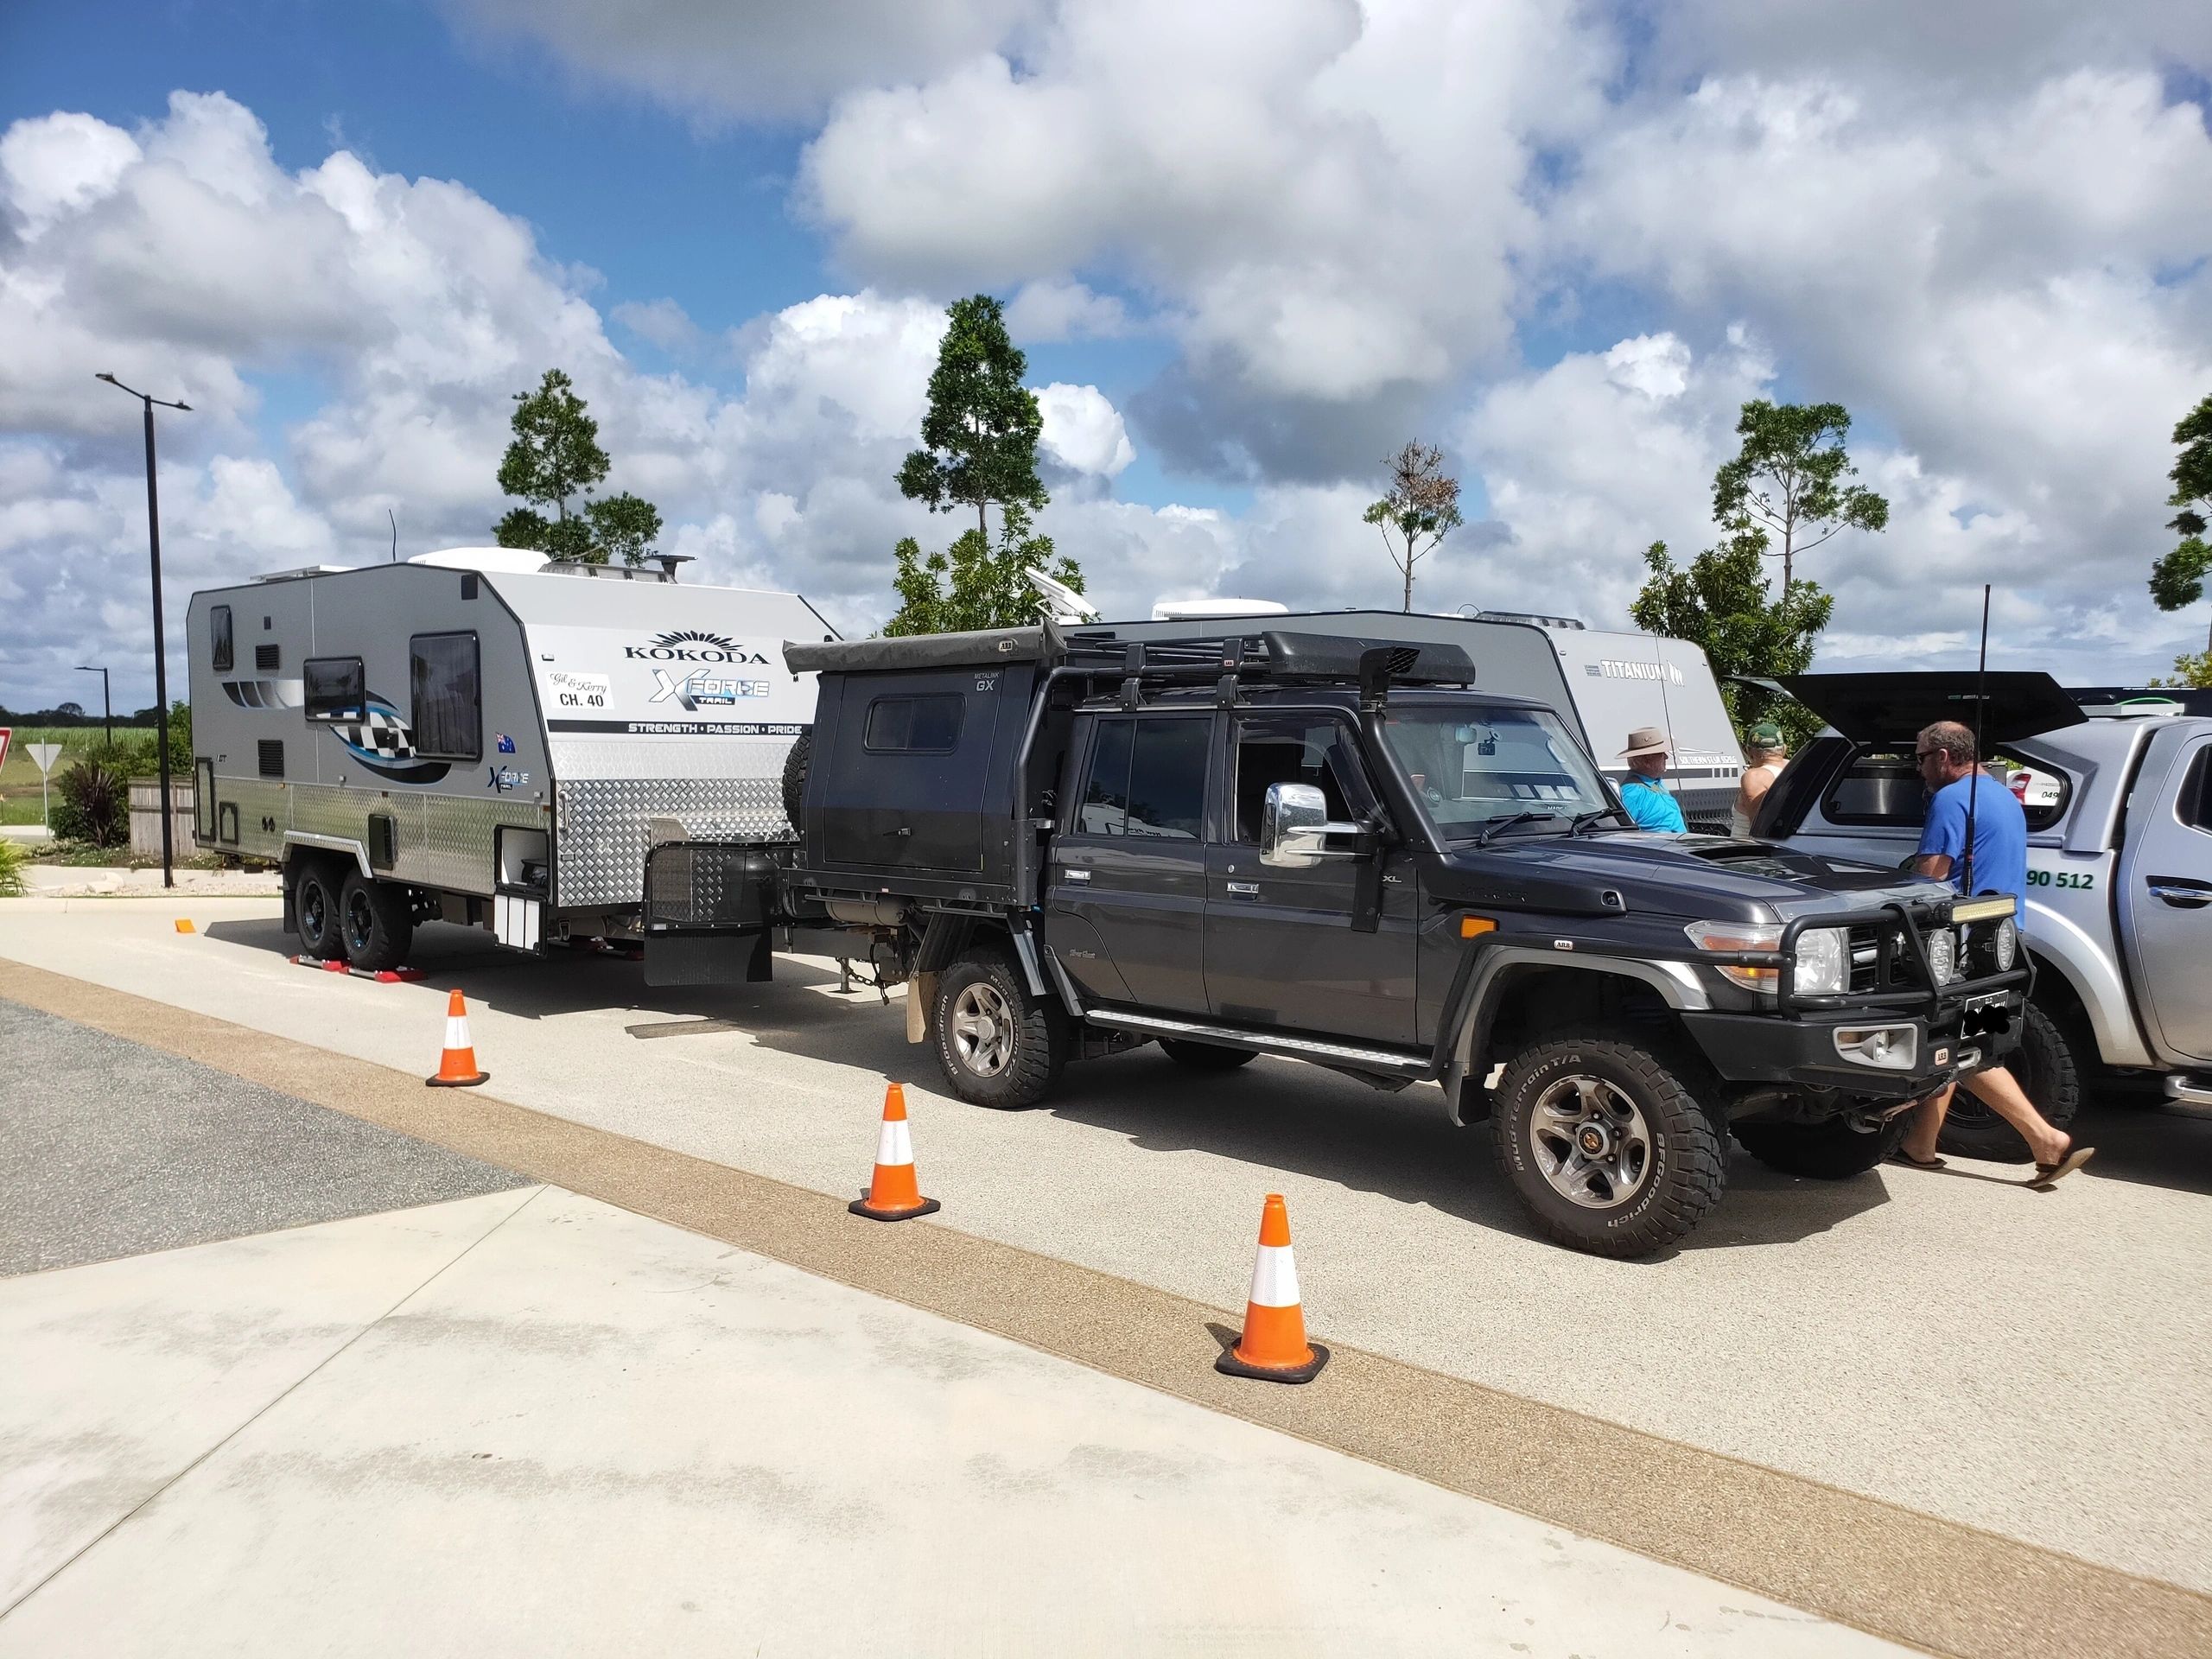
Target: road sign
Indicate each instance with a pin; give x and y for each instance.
(6, 732)
(43, 755)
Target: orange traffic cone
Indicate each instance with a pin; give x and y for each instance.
(894, 1195)
(457, 1065)
(1273, 1346)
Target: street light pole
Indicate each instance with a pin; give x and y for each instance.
(161, 645)
(107, 703)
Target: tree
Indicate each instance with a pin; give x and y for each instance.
(1423, 502)
(979, 437)
(2190, 671)
(1787, 480)
(2177, 580)
(1722, 602)
(556, 456)
(973, 585)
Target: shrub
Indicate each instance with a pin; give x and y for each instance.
(94, 803)
(11, 869)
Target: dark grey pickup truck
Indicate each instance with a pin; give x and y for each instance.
(1348, 852)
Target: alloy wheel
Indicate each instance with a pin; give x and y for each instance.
(1591, 1142)
(982, 1029)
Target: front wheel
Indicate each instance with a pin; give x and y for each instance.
(1830, 1151)
(1605, 1147)
(999, 1046)
(2043, 1067)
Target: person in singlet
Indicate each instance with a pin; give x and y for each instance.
(1766, 753)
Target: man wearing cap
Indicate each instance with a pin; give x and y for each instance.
(1765, 754)
(1643, 794)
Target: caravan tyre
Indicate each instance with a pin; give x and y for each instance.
(315, 909)
(794, 761)
(374, 923)
(998, 1045)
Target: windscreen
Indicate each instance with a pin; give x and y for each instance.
(1475, 766)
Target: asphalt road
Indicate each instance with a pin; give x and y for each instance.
(109, 1149)
(2026, 1363)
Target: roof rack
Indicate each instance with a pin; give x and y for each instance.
(1276, 655)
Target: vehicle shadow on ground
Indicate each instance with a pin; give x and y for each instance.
(1276, 1115)
(2138, 1142)
(564, 981)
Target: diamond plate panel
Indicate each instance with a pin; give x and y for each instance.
(601, 835)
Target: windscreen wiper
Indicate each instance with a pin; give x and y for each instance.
(1584, 821)
(1482, 839)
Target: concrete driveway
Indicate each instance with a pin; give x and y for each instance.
(2028, 1363)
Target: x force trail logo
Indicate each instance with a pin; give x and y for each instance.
(701, 686)
(689, 645)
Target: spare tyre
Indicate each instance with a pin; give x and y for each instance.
(795, 778)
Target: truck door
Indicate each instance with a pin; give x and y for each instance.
(2164, 900)
(1125, 898)
(1283, 947)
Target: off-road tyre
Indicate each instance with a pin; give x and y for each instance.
(1205, 1057)
(376, 924)
(1831, 1151)
(986, 983)
(316, 885)
(795, 763)
(2043, 1064)
(1685, 1170)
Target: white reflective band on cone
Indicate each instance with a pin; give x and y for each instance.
(894, 1145)
(457, 1031)
(1274, 1277)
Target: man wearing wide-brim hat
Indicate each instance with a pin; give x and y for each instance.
(1646, 798)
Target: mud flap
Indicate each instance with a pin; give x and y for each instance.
(921, 996)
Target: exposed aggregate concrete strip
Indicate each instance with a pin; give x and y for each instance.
(1913, 1578)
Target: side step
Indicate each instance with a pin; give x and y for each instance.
(2188, 1096)
(1392, 1062)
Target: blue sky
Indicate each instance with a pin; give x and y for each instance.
(1563, 242)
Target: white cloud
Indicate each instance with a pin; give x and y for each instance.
(663, 322)
(1083, 429)
(751, 58)
(1325, 199)
(57, 164)
(1047, 311)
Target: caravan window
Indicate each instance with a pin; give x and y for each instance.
(446, 696)
(915, 725)
(219, 636)
(334, 688)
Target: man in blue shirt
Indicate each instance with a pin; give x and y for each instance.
(1643, 794)
(1948, 766)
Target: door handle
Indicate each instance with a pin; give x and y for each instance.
(1075, 875)
(1244, 889)
(903, 830)
(2180, 892)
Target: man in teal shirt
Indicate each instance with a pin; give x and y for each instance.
(1646, 798)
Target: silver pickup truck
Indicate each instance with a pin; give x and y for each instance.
(2119, 919)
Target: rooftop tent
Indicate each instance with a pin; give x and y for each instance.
(1893, 707)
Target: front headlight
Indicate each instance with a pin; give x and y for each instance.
(1822, 961)
(1739, 936)
(2007, 945)
(1942, 955)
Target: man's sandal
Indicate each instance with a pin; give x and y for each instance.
(1901, 1156)
(2046, 1174)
